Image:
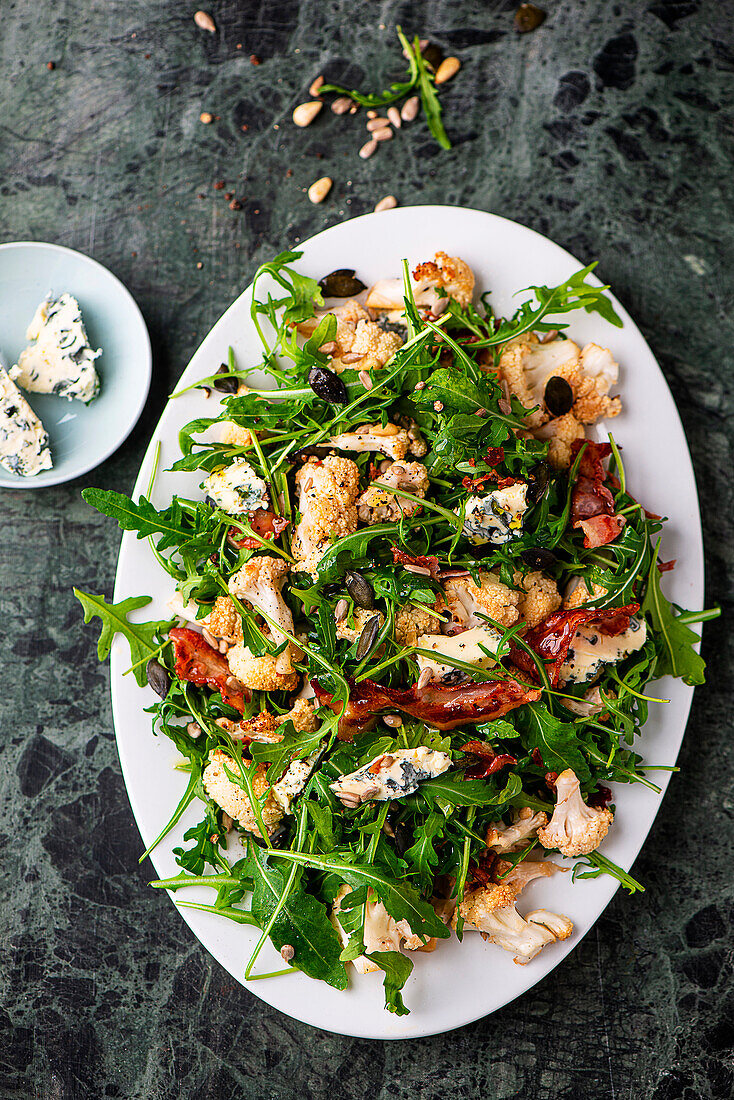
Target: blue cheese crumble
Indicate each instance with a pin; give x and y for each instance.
(24, 446)
(590, 651)
(476, 646)
(60, 361)
(236, 489)
(391, 775)
(496, 518)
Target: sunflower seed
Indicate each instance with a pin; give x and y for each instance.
(318, 191)
(423, 679)
(393, 720)
(352, 356)
(305, 113)
(377, 124)
(205, 22)
(393, 115)
(410, 108)
(449, 67)
(341, 105)
(315, 88)
(368, 149)
(342, 606)
(365, 379)
(385, 134)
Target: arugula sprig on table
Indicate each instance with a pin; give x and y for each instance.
(442, 381)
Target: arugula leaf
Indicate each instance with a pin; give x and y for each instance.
(455, 791)
(397, 968)
(303, 922)
(143, 638)
(280, 754)
(457, 393)
(429, 99)
(209, 838)
(400, 899)
(673, 640)
(558, 742)
(422, 855)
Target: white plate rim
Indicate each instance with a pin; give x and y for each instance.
(104, 454)
(604, 887)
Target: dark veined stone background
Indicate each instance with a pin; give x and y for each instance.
(610, 130)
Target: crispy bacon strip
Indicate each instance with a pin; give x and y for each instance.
(197, 662)
(441, 705)
(265, 524)
(551, 638)
(592, 504)
(489, 761)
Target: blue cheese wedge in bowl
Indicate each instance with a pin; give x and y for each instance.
(60, 359)
(24, 446)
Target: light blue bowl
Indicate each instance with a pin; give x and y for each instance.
(81, 435)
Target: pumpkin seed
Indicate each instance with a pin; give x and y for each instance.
(368, 637)
(360, 589)
(558, 396)
(328, 386)
(225, 385)
(341, 283)
(537, 557)
(158, 677)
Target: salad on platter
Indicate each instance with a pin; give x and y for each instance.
(414, 613)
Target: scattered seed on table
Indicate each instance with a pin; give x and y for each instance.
(410, 108)
(449, 67)
(318, 191)
(368, 149)
(254, 59)
(305, 113)
(372, 114)
(218, 185)
(50, 66)
(384, 134)
(235, 205)
(229, 195)
(205, 22)
(393, 115)
(316, 86)
(341, 105)
(377, 124)
(206, 117)
(388, 203)
(528, 18)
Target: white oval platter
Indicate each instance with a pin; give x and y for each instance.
(458, 983)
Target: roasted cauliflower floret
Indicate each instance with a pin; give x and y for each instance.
(526, 365)
(507, 838)
(539, 597)
(434, 281)
(378, 505)
(468, 601)
(372, 344)
(224, 621)
(351, 626)
(491, 909)
(390, 440)
(266, 726)
(381, 931)
(327, 490)
(260, 583)
(348, 316)
(233, 799)
(412, 621)
(259, 673)
(578, 593)
(575, 829)
(450, 274)
(524, 872)
(561, 433)
(234, 435)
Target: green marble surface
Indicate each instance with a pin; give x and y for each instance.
(609, 129)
